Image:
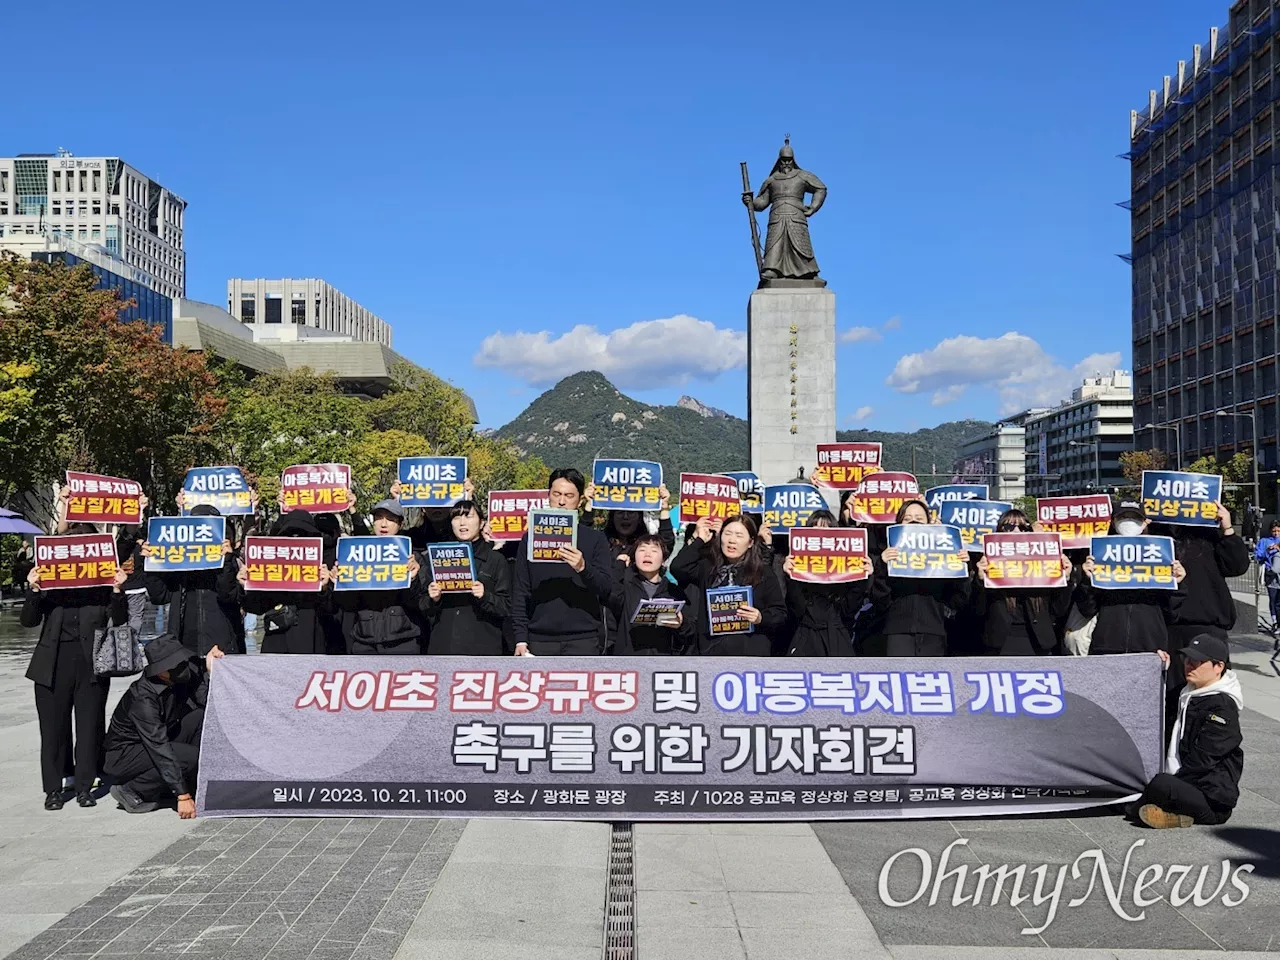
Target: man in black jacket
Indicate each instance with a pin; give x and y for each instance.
(1201, 782)
(153, 743)
(557, 609)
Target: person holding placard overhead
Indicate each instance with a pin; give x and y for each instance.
(469, 623)
(1020, 623)
(557, 607)
(382, 622)
(294, 621)
(732, 557)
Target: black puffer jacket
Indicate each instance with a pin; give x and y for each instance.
(1209, 748)
(387, 619)
(824, 615)
(645, 641)
(1129, 621)
(204, 607)
(915, 607)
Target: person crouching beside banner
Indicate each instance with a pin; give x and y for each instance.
(1020, 623)
(153, 745)
(824, 613)
(376, 622)
(1201, 782)
(293, 621)
(733, 558)
(469, 624)
(644, 578)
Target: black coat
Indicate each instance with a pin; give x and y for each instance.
(149, 715)
(1208, 558)
(823, 616)
(307, 620)
(1209, 750)
(461, 625)
(694, 566)
(646, 641)
(381, 618)
(915, 607)
(92, 605)
(204, 607)
(1039, 611)
(1129, 621)
(551, 601)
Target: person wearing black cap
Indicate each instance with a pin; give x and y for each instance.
(1129, 621)
(153, 743)
(294, 621)
(1201, 779)
(383, 621)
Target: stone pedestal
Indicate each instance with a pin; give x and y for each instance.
(791, 379)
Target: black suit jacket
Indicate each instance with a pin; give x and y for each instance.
(94, 605)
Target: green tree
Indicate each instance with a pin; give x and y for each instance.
(423, 404)
(374, 462)
(1237, 478)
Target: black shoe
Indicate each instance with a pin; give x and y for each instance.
(85, 799)
(54, 800)
(129, 801)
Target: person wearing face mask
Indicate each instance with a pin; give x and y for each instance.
(470, 624)
(153, 743)
(1128, 621)
(823, 613)
(1201, 778)
(915, 612)
(379, 622)
(642, 578)
(732, 557)
(1022, 622)
(557, 609)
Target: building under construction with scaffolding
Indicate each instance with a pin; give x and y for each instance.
(1205, 227)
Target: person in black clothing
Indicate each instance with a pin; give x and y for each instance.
(823, 613)
(470, 624)
(1201, 779)
(732, 557)
(1129, 621)
(204, 605)
(294, 621)
(643, 578)
(153, 745)
(65, 683)
(1020, 623)
(915, 612)
(623, 528)
(557, 609)
(383, 621)
(1209, 556)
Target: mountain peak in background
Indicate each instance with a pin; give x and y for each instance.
(701, 409)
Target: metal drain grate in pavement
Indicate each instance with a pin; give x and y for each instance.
(620, 897)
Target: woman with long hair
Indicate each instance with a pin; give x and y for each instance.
(469, 623)
(1019, 623)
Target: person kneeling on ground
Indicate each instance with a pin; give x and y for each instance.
(1202, 779)
(153, 743)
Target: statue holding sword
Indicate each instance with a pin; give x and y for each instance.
(788, 254)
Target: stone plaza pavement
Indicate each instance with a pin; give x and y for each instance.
(100, 883)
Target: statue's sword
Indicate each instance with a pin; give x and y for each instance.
(755, 227)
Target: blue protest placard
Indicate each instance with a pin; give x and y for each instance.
(972, 518)
(722, 610)
(452, 567)
(626, 485)
(927, 552)
(1133, 563)
(936, 496)
(431, 481)
(750, 490)
(184, 543)
(221, 487)
(372, 563)
(788, 505)
(1186, 499)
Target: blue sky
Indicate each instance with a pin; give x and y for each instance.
(475, 176)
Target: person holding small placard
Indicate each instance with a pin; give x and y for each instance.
(641, 583)
(469, 623)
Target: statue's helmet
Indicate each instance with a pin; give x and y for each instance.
(786, 153)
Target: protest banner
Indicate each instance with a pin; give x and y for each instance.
(283, 563)
(626, 485)
(936, 496)
(1185, 499)
(789, 505)
(316, 488)
(750, 490)
(509, 511)
(1133, 563)
(184, 543)
(1018, 560)
(453, 567)
(701, 738)
(828, 554)
(880, 496)
(431, 481)
(842, 466)
(549, 530)
(722, 610)
(76, 560)
(372, 563)
(707, 495)
(972, 518)
(1077, 520)
(98, 499)
(224, 488)
(927, 552)
(659, 612)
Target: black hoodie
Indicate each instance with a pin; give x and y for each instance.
(1209, 559)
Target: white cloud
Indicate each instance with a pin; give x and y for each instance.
(1014, 365)
(860, 335)
(893, 323)
(862, 413)
(648, 353)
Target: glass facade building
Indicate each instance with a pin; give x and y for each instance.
(149, 305)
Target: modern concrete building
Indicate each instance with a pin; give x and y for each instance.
(268, 305)
(1205, 218)
(98, 201)
(996, 459)
(1075, 447)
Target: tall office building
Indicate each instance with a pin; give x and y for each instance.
(1075, 447)
(272, 307)
(996, 459)
(101, 202)
(1205, 219)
